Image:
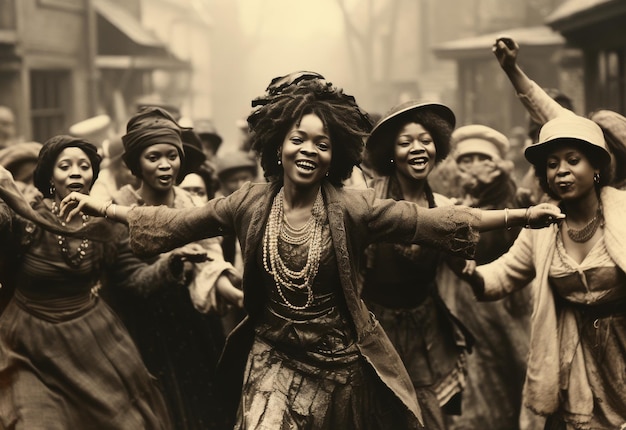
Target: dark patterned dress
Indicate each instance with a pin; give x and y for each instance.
(66, 360)
(305, 369)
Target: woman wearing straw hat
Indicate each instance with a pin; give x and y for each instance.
(576, 361)
(401, 281)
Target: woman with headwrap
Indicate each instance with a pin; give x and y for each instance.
(66, 360)
(179, 339)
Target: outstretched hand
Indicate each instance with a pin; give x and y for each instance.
(506, 49)
(74, 203)
(543, 215)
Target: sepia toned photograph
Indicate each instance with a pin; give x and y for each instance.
(312, 215)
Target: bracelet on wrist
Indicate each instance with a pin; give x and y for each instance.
(527, 217)
(506, 219)
(105, 208)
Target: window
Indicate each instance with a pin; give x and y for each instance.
(49, 100)
(611, 78)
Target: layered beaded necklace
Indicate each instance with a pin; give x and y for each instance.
(311, 233)
(584, 234)
(73, 260)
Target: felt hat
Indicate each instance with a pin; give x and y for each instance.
(207, 131)
(568, 128)
(234, 160)
(479, 139)
(612, 122)
(378, 135)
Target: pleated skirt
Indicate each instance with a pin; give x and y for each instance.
(83, 372)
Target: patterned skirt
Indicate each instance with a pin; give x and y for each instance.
(281, 392)
(78, 371)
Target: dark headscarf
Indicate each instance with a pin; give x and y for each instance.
(150, 126)
(49, 154)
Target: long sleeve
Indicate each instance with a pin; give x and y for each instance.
(129, 272)
(157, 229)
(512, 271)
(541, 107)
(6, 217)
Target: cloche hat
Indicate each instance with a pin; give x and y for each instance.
(567, 128)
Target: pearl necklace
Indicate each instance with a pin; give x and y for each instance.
(76, 259)
(278, 227)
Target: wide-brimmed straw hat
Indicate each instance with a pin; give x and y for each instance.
(378, 135)
(569, 128)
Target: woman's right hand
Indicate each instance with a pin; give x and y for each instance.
(506, 49)
(74, 203)
(542, 215)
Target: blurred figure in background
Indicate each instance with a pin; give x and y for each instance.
(497, 365)
(233, 170)
(8, 132)
(196, 176)
(96, 129)
(20, 159)
(196, 186)
(116, 174)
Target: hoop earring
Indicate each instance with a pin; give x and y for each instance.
(52, 190)
(596, 178)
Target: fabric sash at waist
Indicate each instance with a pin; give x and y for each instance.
(58, 309)
(595, 311)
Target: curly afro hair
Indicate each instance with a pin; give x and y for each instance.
(346, 124)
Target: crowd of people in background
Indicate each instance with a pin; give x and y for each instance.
(337, 269)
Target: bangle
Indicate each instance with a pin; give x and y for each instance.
(105, 207)
(506, 219)
(527, 217)
(114, 206)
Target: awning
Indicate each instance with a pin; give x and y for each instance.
(8, 37)
(140, 62)
(577, 14)
(480, 46)
(126, 23)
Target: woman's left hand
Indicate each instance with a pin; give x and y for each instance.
(74, 203)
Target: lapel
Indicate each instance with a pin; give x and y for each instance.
(256, 227)
(614, 203)
(338, 233)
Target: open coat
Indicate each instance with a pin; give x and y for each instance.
(356, 218)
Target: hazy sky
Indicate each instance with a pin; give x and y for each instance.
(282, 36)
